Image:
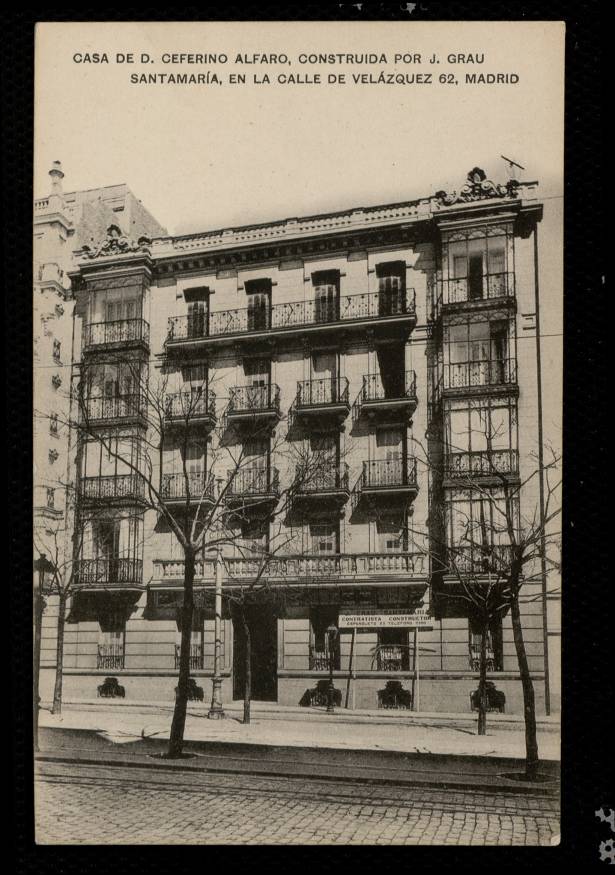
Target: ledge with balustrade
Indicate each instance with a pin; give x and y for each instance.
(296, 319)
(114, 410)
(254, 404)
(253, 487)
(480, 466)
(396, 398)
(326, 486)
(191, 489)
(105, 573)
(305, 568)
(388, 478)
(117, 334)
(188, 409)
(475, 292)
(113, 488)
(325, 398)
(479, 376)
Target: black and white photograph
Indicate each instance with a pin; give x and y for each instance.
(297, 433)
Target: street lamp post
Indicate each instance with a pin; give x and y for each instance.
(41, 565)
(216, 712)
(332, 632)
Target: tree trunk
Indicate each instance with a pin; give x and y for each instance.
(57, 689)
(482, 682)
(529, 704)
(247, 689)
(176, 741)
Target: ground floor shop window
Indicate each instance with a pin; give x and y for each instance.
(494, 645)
(393, 652)
(320, 655)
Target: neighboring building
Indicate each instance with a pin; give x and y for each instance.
(372, 335)
(63, 222)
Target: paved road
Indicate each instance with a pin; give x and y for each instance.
(79, 804)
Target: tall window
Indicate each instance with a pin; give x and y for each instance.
(258, 379)
(324, 537)
(478, 353)
(393, 650)
(57, 350)
(51, 498)
(111, 640)
(326, 285)
(477, 268)
(392, 534)
(391, 288)
(494, 646)
(259, 303)
(323, 385)
(325, 465)
(321, 617)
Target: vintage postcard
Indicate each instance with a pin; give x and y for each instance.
(297, 432)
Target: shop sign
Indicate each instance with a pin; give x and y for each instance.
(365, 619)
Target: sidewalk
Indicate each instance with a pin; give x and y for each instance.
(272, 725)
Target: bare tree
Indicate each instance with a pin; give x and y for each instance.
(205, 499)
(495, 544)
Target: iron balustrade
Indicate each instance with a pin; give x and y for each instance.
(480, 560)
(485, 287)
(393, 657)
(190, 405)
(295, 314)
(115, 407)
(325, 478)
(193, 487)
(254, 480)
(252, 399)
(483, 372)
(102, 572)
(481, 463)
(196, 656)
(373, 388)
(116, 332)
(320, 658)
(114, 486)
(110, 656)
(322, 391)
(389, 473)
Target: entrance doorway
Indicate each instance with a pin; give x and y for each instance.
(264, 659)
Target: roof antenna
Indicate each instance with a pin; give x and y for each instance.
(512, 167)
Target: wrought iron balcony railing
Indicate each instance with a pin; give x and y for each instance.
(190, 406)
(194, 487)
(481, 560)
(322, 392)
(488, 287)
(490, 372)
(393, 657)
(113, 487)
(481, 463)
(110, 657)
(254, 399)
(320, 659)
(108, 572)
(326, 478)
(254, 480)
(373, 388)
(196, 656)
(116, 407)
(295, 314)
(389, 473)
(121, 331)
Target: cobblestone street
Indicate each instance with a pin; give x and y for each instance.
(94, 805)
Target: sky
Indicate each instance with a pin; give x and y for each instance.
(211, 156)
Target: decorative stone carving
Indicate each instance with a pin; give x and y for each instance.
(477, 188)
(117, 243)
(56, 381)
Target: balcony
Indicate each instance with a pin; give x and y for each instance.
(390, 402)
(123, 333)
(336, 568)
(196, 656)
(480, 376)
(389, 479)
(191, 409)
(477, 560)
(325, 487)
(324, 399)
(476, 292)
(110, 657)
(120, 488)
(254, 405)
(112, 573)
(115, 410)
(481, 465)
(253, 488)
(189, 490)
(295, 319)
(393, 657)
(319, 659)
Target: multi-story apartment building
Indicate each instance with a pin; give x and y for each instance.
(373, 338)
(63, 222)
